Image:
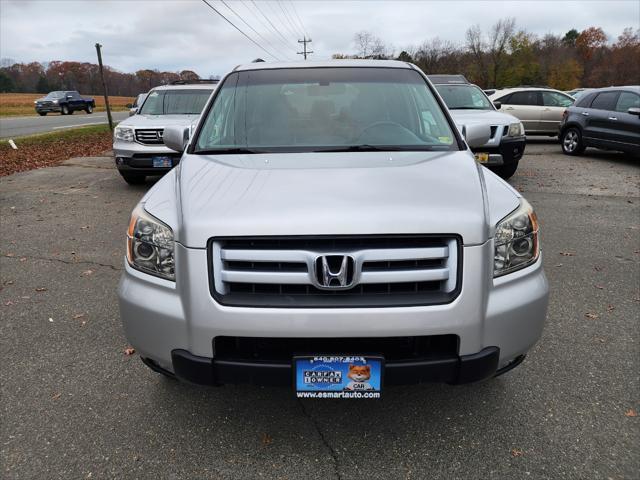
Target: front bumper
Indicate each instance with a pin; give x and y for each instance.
(509, 150)
(137, 158)
(172, 325)
(47, 108)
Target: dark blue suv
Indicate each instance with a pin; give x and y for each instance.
(607, 118)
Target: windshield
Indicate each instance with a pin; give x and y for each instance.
(324, 109)
(464, 97)
(176, 102)
(55, 95)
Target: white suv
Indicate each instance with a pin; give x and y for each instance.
(137, 141)
(329, 229)
(539, 109)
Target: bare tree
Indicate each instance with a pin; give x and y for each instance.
(369, 46)
(500, 35)
(435, 55)
(477, 47)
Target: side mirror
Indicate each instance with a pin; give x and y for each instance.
(498, 105)
(634, 111)
(129, 105)
(176, 138)
(132, 111)
(476, 135)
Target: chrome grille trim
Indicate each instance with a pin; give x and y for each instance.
(282, 270)
(149, 136)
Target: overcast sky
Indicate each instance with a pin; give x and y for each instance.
(186, 34)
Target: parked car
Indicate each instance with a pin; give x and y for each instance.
(329, 229)
(137, 141)
(66, 102)
(539, 109)
(606, 118)
(468, 105)
(137, 103)
(578, 92)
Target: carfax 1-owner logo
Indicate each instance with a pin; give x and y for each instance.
(338, 374)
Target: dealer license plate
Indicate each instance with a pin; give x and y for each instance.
(482, 157)
(338, 376)
(162, 162)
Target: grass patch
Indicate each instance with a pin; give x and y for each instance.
(49, 149)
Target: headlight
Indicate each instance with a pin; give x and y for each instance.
(516, 240)
(123, 133)
(516, 130)
(55, 101)
(150, 245)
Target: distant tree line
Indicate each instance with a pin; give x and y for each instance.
(508, 56)
(81, 76)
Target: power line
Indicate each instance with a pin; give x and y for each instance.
(254, 30)
(248, 37)
(270, 22)
(295, 11)
(295, 28)
(279, 37)
(279, 17)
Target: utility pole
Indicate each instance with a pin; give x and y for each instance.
(104, 86)
(305, 52)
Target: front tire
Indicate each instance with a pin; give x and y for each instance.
(133, 178)
(64, 110)
(89, 109)
(506, 171)
(571, 141)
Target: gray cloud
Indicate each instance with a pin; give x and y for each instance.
(178, 34)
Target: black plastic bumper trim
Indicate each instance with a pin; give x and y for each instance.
(453, 370)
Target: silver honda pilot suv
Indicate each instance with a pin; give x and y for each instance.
(328, 228)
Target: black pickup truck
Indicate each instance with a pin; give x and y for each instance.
(65, 102)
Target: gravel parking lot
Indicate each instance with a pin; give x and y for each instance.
(74, 405)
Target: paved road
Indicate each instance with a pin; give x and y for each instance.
(11, 127)
(75, 406)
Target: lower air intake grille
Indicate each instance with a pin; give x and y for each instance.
(326, 272)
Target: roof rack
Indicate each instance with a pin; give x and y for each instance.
(457, 79)
(195, 81)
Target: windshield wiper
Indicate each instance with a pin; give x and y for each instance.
(229, 151)
(368, 148)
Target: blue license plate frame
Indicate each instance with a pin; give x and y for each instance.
(338, 376)
(162, 162)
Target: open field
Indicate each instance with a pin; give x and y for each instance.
(49, 149)
(16, 104)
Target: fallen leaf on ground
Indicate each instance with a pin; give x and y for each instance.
(23, 259)
(56, 396)
(50, 320)
(78, 315)
(631, 413)
(611, 308)
(86, 273)
(41, 289)
(558, 265)
(516, 452)
(599, 287)
(8, 303)
(129, 351)
(267, 439)
(567, 254)
(590, 315)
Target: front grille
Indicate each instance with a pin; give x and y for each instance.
(383, 271)
(149, 136)
(281, 350)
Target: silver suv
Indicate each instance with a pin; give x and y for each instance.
(328, 228)
(469, 105)
(137, 141)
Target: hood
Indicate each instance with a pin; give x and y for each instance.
(481, 117)
(326, 194)
(160, 121)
